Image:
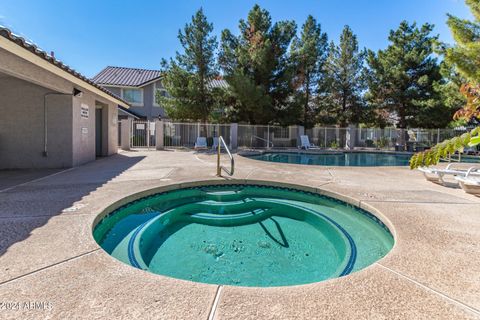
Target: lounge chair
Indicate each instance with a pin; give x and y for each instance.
(470, 151)
(470, 183)
(215, 143)
(437, 175)
(201, 143)
(306, 143)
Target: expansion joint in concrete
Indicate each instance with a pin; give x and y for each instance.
(213, 309)
(431, 290)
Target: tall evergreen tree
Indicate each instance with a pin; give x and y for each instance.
(465, 57)
(466, 52)
(340, 94)
(308, 53)
(257, 69)
(402, 77)
(186, 78)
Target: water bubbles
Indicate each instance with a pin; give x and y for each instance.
(214, 251)
(263, 244)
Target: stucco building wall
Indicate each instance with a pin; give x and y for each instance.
(22, 126)
(70, 136)
(148, 110)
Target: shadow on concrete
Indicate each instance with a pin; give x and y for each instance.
(31, 205)
(14, 177)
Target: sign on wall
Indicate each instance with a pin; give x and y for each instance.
(84, 111)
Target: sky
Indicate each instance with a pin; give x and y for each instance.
(89, 35)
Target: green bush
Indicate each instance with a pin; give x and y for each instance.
(167, 140)
(369, 143)
(139, 140)
(334, 144)
(382, 142)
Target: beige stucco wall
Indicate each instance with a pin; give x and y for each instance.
(84, 128)
(20, 68)
(71, 137)
(112, 126)
(22, 126)
(83, 137)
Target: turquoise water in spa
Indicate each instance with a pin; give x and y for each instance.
(244, 235)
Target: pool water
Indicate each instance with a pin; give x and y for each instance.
(353, 159)
(244, 235)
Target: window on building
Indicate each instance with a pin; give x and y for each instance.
(159, 91)
(133, 96)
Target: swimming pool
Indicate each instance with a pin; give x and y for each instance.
(244, 235)
(353, 159)
(344, 159)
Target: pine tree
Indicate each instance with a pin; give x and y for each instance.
(402, 77)
(308, 53)
(340, 93)
(186, 78)
(465, 57)
(257, 68)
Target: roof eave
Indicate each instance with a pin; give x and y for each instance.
(19, 47)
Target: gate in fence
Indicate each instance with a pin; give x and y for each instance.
(142, 134)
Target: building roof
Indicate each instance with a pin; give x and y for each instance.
(7, 34)
(134, 77)
(129, 77)
(128, 112)
(217, 83)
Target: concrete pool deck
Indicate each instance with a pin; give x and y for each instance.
(48, 255)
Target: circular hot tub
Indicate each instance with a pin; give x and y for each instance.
(245, 235)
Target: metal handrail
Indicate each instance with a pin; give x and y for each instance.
(232, 161)
(267, 141)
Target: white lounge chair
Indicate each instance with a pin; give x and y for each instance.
(438, 175)
(201, 143)
(470, 183)
(305, 143)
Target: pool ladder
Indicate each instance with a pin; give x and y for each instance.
(232, 161)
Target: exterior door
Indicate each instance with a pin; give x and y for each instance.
(98, 132)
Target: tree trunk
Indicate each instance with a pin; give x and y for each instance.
(307, 98)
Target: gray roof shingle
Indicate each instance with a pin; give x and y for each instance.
(121, 76)
(6, 33)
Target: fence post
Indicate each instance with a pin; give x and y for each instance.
(159, 142)
(234, 136)
(325, 138)
(350, 137)
(268, 136)
(300, 132)
(125, 133)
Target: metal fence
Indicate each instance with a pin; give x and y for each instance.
(184, 135)
(405, 139)
(260, 137)
(142, 134)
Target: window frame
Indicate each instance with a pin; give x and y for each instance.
(135, 104)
